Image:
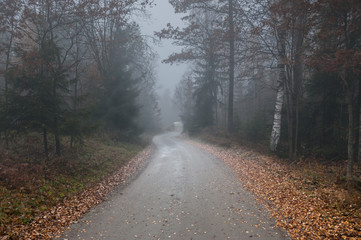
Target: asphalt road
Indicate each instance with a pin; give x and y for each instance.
(183, 193)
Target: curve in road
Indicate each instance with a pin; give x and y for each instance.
(183, 193)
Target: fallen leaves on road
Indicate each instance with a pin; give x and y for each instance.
(70, 210)
(304, 214)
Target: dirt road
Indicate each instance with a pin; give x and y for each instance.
(184, 193)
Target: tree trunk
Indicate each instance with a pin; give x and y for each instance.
(349, 84)
(359, 140)
(75, 101)
(231, 65)
(55, 83)
(45, 141)
(7, 64)
(289, 121)
(56, 123)
(297, 117)
(350, 142)
(298, 79)
(359, 127)
(276, 128)
(57, 145)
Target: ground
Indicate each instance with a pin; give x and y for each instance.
(307, 198)
(184, 193)
(190, 189)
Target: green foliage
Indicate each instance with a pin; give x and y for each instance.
(200, 113)
(32, 193)
(256, 129)
(36, 100)
(323, 119)
(77, 123)
(118, 108)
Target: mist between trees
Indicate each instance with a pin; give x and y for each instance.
(286, 73)
(70, 68)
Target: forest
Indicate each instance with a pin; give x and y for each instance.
(78, 91)
(286, 74)
(77, 87)
(70, 67)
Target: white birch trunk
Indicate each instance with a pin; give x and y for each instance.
(276, 129)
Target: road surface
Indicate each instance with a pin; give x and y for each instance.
(183, 193)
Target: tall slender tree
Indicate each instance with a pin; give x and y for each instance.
(9, 20)
(231, 36)
(339, 35)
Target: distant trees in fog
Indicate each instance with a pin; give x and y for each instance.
(68, 67)
(297, 72)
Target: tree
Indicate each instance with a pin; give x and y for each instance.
(118, 108)
(221, 26)
(57, 34)
(281, 50)
(202, 45)
(338, 52)
(45, 24)
(9, 21)
(183, 97)
(228, 22)
(231, 37)
(288, 22)
(32, 102)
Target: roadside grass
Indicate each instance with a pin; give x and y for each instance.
(309, 198)
(29, 185)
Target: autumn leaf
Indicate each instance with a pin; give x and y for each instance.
(303, 215)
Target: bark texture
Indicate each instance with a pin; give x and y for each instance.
(276, 129)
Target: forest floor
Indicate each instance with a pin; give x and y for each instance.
(307, 198)
(183, 193)
(38, 198)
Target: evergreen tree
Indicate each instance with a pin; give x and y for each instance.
(118, 106)
(35, 100)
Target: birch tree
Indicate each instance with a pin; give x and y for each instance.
(276, 128)
(289, 21)
(281, 50)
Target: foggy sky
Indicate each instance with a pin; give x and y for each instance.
(161, 14)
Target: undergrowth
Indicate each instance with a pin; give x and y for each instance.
(29, 185)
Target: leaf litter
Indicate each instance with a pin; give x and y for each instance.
(303, 214)
(53, 221)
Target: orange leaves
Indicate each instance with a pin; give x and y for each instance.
(305, 214)
(50, 222)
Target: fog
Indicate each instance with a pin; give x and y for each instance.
(167, 75)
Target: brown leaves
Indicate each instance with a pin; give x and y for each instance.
(45, 225)
(303, 213)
